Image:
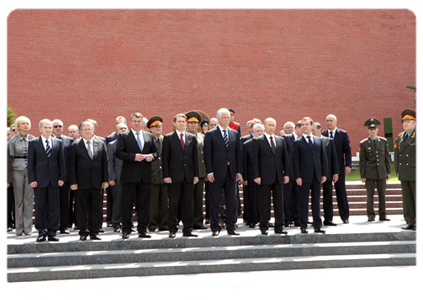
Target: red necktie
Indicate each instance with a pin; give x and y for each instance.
(182, 141)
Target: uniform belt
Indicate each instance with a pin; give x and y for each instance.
(23, 157)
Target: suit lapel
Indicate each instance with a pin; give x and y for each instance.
(83, 148)
(41, 145)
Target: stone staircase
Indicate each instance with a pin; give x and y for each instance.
(352, 245)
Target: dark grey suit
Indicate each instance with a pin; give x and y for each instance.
(115, 170)
(224, 163)
(46, 171)
(327, 186)
(310, 164)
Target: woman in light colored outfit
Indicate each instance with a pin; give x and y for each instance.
(18, 175)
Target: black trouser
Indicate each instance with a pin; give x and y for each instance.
(314, 186)
(64, 192)
(380, 184)
(198, 202)
(252, 203)
(110, 204)
(328, 200)
(47, 214)
(228, 184)
(289, 202)
(341, 198)
(72, 208)
(90, 211)
(159, 207)
(175, 189)
(267, 192)
(10, 207)
(140, 193)
(116, 217)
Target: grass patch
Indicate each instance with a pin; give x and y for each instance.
(355, 175)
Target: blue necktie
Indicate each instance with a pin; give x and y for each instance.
(48, 149)
(139, 141)
(309, 141)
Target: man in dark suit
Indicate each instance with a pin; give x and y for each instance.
(65, 189)
(311, 170)
(46, 173)
(223, 158)
(333, 171)
(136, 148)
(88, 176)
(270, 168)
(180, 171)
(251, 203)
(343, 154)
(115, 170)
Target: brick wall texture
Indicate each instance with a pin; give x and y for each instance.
(286, 64)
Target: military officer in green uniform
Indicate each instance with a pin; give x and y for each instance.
(193, 120)
(375, 168)
(159, 198)
(405, 166)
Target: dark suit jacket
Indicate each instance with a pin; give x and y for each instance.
(331, 155)
(45, 170)
(157, 165)
(87, 173)
(310, 162)
(126, 148)
(245, 138)
(343, 148)
(177, 163)
(289, 141)
(247, 161)
(66, 145)
(112, 137)
(271, 167)
(217, 156)
(115, 164)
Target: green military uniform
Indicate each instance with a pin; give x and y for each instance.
(193, 116)
(159, 204)
(405, 166)
(375, 165)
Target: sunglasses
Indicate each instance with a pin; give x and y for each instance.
(57, 126)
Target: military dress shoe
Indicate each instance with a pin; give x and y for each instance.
(281, 231)
(304, 230)
(53, 239)
(407, 227)
(64, 231)
(329, 223)
(189, 234)
(144, 234)
(371, 219)
(232, 232)
(125, 235)
(216, 233)
(319, 230)
(95, 237)
(384, 219)
(41, 238)
(83, 238)
(172, 235)
(264, 232)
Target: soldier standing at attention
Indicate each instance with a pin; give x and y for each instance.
(405, 166)
(375, 168)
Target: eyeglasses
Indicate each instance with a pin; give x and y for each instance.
(58, 126)
(372, 128)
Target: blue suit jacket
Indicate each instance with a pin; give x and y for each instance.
(310, 162)
(217, 157)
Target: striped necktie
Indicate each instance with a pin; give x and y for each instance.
(225, 138)
(90, 152)
(48, 149)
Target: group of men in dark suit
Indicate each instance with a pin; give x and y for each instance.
(267, 162)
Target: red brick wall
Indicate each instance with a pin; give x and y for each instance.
(78, 64)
